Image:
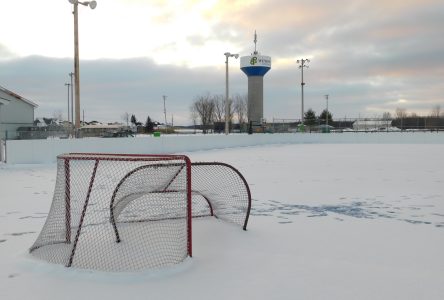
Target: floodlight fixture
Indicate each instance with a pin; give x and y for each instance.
(91, 4)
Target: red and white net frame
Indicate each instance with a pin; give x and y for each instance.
(126, 212)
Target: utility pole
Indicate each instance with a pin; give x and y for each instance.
(68, 85)
(72, 97)
(326, 97)
(165, 111)
(302, 64)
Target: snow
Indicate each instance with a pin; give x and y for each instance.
(329, 221)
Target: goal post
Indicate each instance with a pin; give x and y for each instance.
(127, 212)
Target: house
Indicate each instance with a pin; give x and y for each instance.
(15, 112)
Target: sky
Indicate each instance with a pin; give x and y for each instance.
(370, 57)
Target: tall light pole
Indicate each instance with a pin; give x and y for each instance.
(302, 64)
(92, 5)
(72, 98)
(165, 111)
(326, 115)
(68, 85)
(227, 105)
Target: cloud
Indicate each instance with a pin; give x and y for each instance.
(111, 87)
(365, 54)
(5, 53)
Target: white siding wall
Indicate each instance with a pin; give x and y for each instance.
(13, 115)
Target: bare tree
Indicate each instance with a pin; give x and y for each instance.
(401, 113)
(194, 116)
(203, 106)
(386, 116)
(126, 117)
(219, 108)
(230, 110)
(436, 111)
(240, 107)
(57, 115)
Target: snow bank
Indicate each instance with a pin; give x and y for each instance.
(45, 151)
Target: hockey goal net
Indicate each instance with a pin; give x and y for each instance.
(116, 212)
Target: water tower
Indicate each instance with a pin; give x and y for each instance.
(255, 66)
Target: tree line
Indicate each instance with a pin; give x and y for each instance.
(405, 120)
(147, 127)
(311, 119)
(210, 110)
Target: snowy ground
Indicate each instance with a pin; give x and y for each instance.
(328, 222)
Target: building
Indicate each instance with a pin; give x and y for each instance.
(373, 125)
(105, 130)
(15, 112)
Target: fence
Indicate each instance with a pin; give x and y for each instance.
(360, 124)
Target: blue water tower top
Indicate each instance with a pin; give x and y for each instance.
(255, 65)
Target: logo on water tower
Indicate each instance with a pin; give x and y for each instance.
(253, 60)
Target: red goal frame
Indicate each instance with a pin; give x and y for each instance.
(120, 157)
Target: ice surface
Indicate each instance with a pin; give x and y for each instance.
(328, 222)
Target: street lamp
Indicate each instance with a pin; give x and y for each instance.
(303, 64)
(227, 106)
(92, 5)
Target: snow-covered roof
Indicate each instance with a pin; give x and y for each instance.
(18, 97)
(372, 122)
(104, 126)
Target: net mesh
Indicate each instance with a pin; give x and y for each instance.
(127, 213)
(225, 190)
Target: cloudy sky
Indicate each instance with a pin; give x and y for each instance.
(369, 56)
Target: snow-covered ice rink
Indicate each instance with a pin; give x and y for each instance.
(328, 222)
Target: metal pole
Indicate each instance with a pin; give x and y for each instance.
(227, 106)
(164, 111)
(68, 85)
(303, 64)
(72, 98)
(302, 88)
(227, 129)
(326, 97)
(76, 65)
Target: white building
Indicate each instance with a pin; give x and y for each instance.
(15, 112)
(372, 125)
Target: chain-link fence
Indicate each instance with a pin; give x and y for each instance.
(358, 125)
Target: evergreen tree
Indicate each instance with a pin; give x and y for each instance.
(149, 125)
(323, 117)
(310, 117)
(133, 120)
